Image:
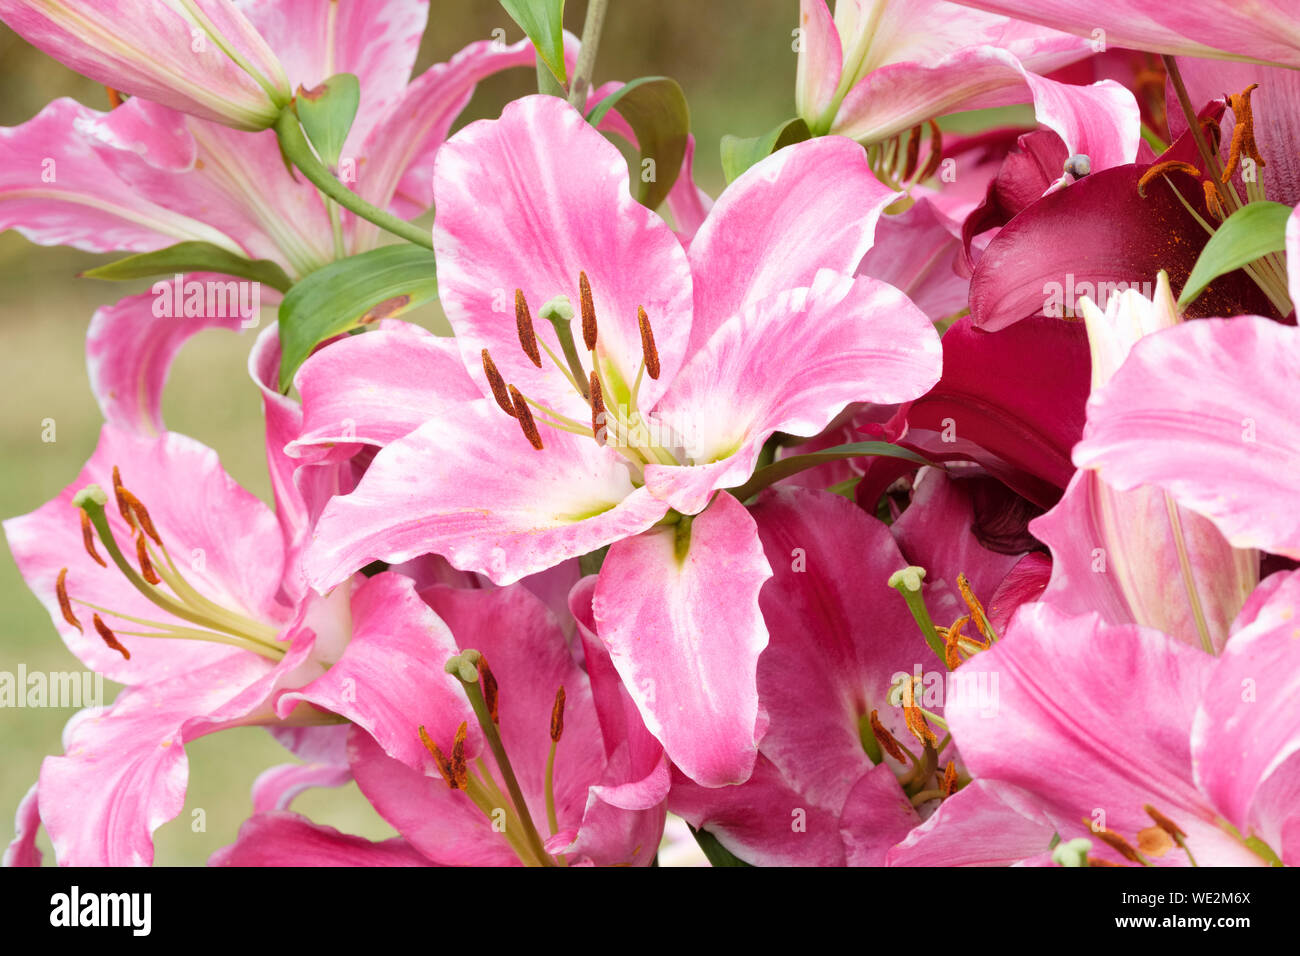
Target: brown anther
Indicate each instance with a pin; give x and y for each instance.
(88, 539)
(487, 680)
(557, 715)
(65, 605)
(588, 312)
(1212, 201)
(141, 515)
(949, 783)
(1163, 821)
(497, 384)
(1116, 843)
(913, 152)
(459, 768)
(146, 566)
(648, 343)
(114, 98)
(936, 153)
(1098, 861)
(524, 325)
(123, 508)
(1159, 169)
(525, 417)
(599, 417)
(110, 638)
(1243, 132)
(887, 741)
(443, 764)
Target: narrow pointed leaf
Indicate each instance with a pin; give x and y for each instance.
(192, 257)
(1249, 233)
(543, 21)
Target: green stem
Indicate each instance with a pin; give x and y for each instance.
(294, 143)
(586, 65)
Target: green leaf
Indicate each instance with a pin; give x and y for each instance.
(192, 257)
(797, 463)
(352, 292)
(1252, 231)
(739, 154)
(326, 113)
(543, 21)
(655, 107)
(717, 854)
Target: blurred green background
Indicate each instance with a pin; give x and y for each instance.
(735, 62)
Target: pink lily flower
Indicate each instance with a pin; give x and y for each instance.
(1155, 426)
(142, 176)
(202, 57)
(1264, 32)
(834, 782)
(878, 69)
(1135, 556)
(593, 782)
(696, 357)
(229, 622)
(1161, 755)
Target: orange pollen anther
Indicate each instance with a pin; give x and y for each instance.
(648, 343)
(524, 325)
(88, 539)
(588, 312)
(122, 506)
(140, 514)
(110, 638)
(444, 765)
(915, 719)
(1243, 132)
(1159, 169)
(886, 740)
(525, 417)
(497, 384)
(65, 605)
(459, 769)
(1212, 201)
(557, 716)
(146, 566)
(114, 97)
(977, 612)
(949, 784)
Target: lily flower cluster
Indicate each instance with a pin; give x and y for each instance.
(923, 498)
